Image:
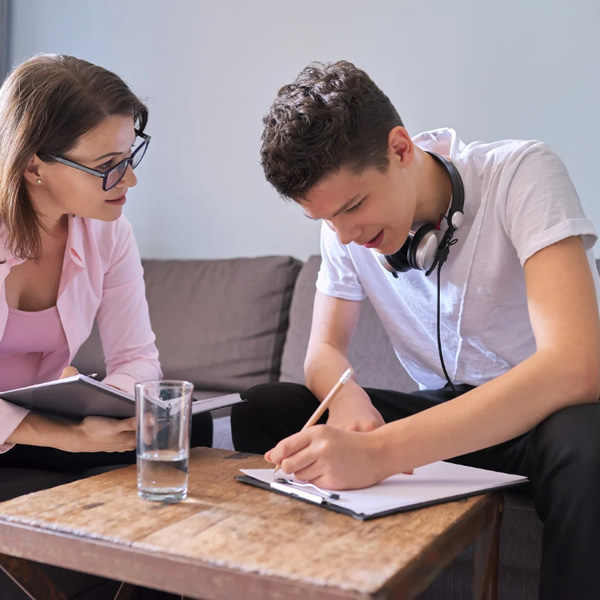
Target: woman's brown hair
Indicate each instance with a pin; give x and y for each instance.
(46, 104)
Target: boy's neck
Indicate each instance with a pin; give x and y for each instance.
(434, 189)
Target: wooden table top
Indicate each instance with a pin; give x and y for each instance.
(228, 537)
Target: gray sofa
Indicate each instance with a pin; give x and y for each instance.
(228, 324)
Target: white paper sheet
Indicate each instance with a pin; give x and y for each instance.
(427, 485)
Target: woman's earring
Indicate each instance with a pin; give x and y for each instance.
(39, 181)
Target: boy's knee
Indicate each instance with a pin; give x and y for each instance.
(202, 430)
(568, 442)
(274, 392)
(271, 411)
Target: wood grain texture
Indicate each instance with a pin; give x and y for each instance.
(223, 534)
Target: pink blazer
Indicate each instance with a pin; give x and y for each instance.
(102, 278)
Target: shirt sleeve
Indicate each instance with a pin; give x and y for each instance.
(542, 206)
(127, 338)
(10, 418)
(337, 276)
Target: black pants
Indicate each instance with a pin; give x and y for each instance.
(561, 458)
(51, 459)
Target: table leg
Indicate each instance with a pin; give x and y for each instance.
(31, 578)
(125, 591)
(487, 551)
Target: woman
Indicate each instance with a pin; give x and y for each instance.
(71, 134)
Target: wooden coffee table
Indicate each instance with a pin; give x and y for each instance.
(229, 540)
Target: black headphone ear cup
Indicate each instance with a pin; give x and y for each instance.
(413, 257)
(399, 261)
(428, 246)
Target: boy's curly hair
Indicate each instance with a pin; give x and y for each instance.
(331, 116)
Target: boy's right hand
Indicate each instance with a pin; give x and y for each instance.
(103, 434)
(354, 412)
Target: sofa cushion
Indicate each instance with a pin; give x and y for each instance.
(220, 324)
(370, 352)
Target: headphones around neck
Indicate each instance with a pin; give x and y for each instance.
(428, 246)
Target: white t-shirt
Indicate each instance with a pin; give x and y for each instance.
(518, 199)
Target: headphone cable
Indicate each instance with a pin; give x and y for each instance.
(439, 335)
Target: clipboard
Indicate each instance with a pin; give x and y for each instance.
(80, 396)
(431, 484)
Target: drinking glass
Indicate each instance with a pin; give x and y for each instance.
(164, 416)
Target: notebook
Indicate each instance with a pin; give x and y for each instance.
(80, 396)
(431, 484)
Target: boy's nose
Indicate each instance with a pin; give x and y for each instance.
(345, 235)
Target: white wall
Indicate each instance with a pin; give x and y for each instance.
(209, 70)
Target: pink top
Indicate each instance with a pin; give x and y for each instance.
(102, 278)
(27, 337)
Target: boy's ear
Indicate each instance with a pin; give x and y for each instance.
(33, 171)
(401, 147)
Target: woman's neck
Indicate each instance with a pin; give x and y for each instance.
(54, 234)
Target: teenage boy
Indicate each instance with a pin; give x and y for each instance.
(501, 232)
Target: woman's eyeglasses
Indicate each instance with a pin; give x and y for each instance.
(112, 176)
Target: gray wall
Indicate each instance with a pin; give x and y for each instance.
(209, 70)
(4, 39)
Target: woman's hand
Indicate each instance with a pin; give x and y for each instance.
(68, 372)
(103, 434)
(330, 457)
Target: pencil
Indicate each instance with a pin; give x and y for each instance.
(345, 378)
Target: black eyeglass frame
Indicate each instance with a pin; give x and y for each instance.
(130, 160)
